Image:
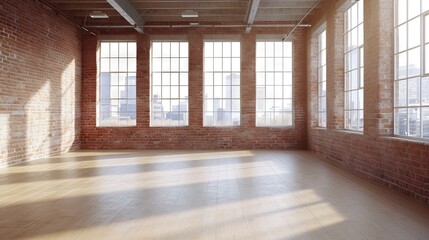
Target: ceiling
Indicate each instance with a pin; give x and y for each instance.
(168, 12)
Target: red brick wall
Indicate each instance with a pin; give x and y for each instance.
(39, 82)
(401, 164)
(195, 136)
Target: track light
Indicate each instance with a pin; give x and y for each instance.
(98, 14)
(189, 14)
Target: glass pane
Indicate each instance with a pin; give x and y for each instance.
(401, 124)
(278, 49)
(427, 58)
(114, 64)
(132, 49)
(165, 49)
(278, 64)
(269, 64)
(226, 64)
(132, 65)
(425, 122)
(132, 91)
(184, 49)
(156, 92)
(184, 65)
(174, 49)
(184, 92)
(402, 13)
(105, 65)
(401, 38)
(174, 78)
(260, 64)
(217, 64)
(414, 92)
(131, 79)
(287, 64)
(413, 8)
(114, 49)
(105, 49)
(322, 58)
(156, 65)
(260, 49)
(401, 65)
(226, 48)
(208, 64)
(208, 49)
(156, 49)
(123, 49)
(414, 62)
(287, 49)
(414, 33)
(425, 91)
(174, 64)
(269, 49)
(166, 80)
(414, 122)
(123, 64)
(401, 93)
(165, 64)
(236, 64)
(114, 79)
(217, 49)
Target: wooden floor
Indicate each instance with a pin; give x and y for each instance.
(199, 195)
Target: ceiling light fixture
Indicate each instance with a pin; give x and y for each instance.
(98, 14)
(194, 24)
(189, 14)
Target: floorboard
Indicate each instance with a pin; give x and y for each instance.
(199, 195)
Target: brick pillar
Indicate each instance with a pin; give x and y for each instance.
(143, 81)
(312, 73)
(248, 80)
(89, 87)
(379, 64)
(196, 45)
(335, 71)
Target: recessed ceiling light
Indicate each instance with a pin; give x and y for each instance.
(98, 14)
(189, 14)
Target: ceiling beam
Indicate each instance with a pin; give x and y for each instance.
(253, 9)
(286, 4)
(127, 11)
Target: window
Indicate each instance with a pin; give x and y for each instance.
(353, 72)
(321, 78)
(274, 83)
(169, 84)
(412, 68)
(116, 105)
(221, 83)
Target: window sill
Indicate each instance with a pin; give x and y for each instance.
(408, 139)
(349, 131)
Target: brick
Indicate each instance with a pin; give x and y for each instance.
(39, 82)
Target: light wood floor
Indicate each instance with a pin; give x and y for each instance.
(199, 195)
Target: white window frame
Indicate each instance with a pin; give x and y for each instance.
(281, 113)
(211, 96)
(118, 121)
(321, 79)
(354, 97)
(162, 83)
(405, 80)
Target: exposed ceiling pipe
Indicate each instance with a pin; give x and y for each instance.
(68, 17)
(195, 26)
(300, 21)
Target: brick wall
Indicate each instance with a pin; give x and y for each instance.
(401, 164)
(195, 136)
(39, 82)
